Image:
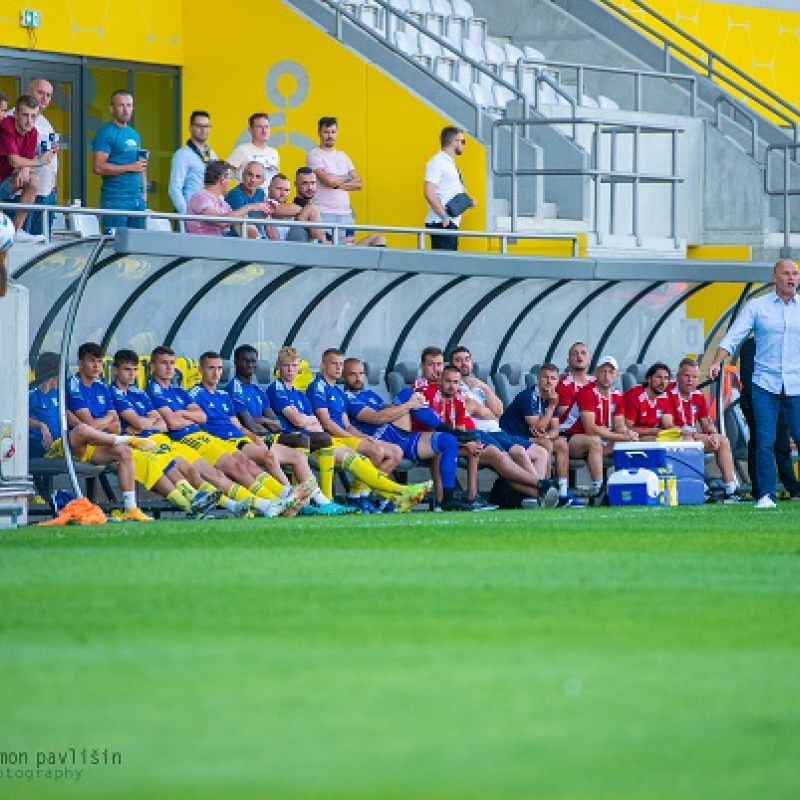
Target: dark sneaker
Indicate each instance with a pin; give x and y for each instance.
(461, 504)
(570, 501)
(599, 498)
(550, 498)
(203, 502)
(736, 496)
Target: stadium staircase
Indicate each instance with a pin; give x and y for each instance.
(634, 137)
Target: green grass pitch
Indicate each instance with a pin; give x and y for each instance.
(594, 653)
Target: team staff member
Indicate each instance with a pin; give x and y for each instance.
(774, 320)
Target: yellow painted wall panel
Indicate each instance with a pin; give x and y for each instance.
(304, 74)
(132, 30)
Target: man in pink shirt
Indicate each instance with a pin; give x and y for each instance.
(336, 178)
(18, 158)
(210, 201)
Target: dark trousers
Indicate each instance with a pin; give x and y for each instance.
(443, 242)
(783, 450)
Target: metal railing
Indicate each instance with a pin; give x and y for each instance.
(384, 36)
(638, 76)
(710, 63)
(338, 228)
(738, 109)
(595, 172)
(785, 191)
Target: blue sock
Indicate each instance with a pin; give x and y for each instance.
(446, 445)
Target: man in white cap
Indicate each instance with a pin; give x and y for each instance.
(600, 423)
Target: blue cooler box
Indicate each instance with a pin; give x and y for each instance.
(634, 487)
(685, 459)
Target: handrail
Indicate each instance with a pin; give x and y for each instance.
(389, 10)
(722, 100)
(598, 175)
(786, 192)
(636, 74)
(420, 232)
(790, 114)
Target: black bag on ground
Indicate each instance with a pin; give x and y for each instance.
(505, 496)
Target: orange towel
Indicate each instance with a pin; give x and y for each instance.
(79, 512)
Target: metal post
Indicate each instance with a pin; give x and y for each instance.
(612, 200)
(787, 216)
(596, 179)
(674, 191)
(635, 196)
(69, 324)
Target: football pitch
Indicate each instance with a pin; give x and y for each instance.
(588, 653)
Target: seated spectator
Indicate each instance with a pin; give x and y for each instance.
(210, 201)
(278, 192)
(248, 192)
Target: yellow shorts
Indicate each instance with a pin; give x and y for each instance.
(347, 441)
(56, 450)
(208, 447)
(179, 449)
(149, 466)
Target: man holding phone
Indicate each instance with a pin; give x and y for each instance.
(120, 161)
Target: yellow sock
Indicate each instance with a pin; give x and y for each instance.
(177, 498)
(262, 487)
(361, 467)
(205, 486)
(358, 488)
(238, 493)
(185, 488)
(326, 464)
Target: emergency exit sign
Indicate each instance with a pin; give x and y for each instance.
(29, 19)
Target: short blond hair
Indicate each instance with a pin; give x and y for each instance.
(286, 354)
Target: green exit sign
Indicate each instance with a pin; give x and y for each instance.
(29, 19)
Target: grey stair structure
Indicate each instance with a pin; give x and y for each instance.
(590, 126)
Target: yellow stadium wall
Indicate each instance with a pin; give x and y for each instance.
(762, 42)
(134, 30)
(304, 74)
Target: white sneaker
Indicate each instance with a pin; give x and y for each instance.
(766, 502)
(23, 237)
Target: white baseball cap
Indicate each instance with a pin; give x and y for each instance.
(608, 360)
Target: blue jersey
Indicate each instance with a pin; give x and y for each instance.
(43, 407)
(332, 398)
(357, 402)
(528, 403)
(122, 146)
(132, 399)
(175, 399)
(218, 407)
(248, 397)
(282, 397)
(95, 398)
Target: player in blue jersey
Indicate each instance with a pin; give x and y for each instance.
(329, 404)
(295, 412)
(89, 401)
(137, 415)
(184, 419)
(44, 419)
(252, 404)
(393, 424)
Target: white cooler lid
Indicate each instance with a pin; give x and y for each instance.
(658, 445)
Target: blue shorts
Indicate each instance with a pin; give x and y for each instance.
(502, 440)
(409, 442)
(7, 189)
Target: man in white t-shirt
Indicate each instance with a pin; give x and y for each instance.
(42, 90)
(256, 149)
(336, 178)
(442, 183)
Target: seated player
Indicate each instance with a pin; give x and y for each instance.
(571, 382)
(184, 419)
(89, 402)
(294, 411)
(533, 413)
(600, 424)
(650, 408)
(698, 425)
(392, 424)
(329, 404)
(138, 416)
(440, 387)
(252, 404)
(221, 422)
